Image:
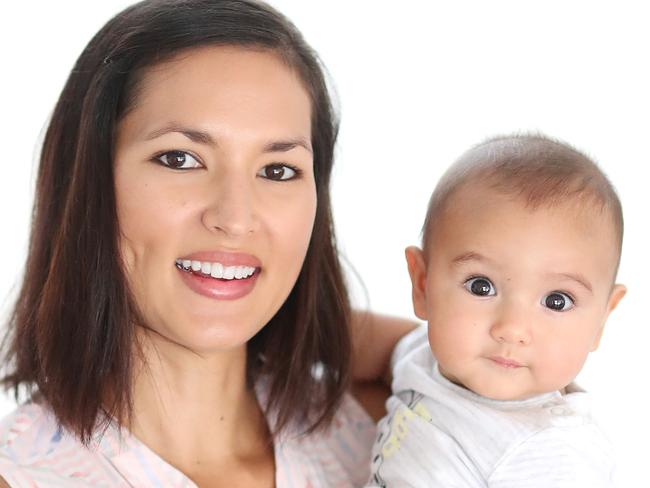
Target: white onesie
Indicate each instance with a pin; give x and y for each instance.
(438, 434)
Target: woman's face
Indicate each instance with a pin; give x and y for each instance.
(215, 194)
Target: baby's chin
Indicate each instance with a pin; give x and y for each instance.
(507, 385)
(502, 391)
(506, 395)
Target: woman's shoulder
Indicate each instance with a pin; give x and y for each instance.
(26, 436)
(28, 429)
(36, 451)
(336, 456)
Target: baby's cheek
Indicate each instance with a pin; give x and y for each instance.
(449, 345)
(559, 368)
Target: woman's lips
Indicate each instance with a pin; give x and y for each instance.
(216, 288)
(505, 362)
(219, 275)
(225, 258)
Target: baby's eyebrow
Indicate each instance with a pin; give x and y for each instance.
(469, 256)
(578, 278)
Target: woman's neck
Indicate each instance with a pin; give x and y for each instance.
(196, 411)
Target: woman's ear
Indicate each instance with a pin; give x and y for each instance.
(418, 273)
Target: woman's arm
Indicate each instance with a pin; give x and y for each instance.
(373, 339)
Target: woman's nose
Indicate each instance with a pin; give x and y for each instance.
(511, 325)
(231, 208)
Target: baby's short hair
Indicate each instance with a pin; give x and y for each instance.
(535, 168)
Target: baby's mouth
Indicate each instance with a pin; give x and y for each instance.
(506, 362)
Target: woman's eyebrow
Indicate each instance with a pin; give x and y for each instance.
(284, 146)
(203, 137)
(194, 135)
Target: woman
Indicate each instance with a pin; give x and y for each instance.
(183, 319)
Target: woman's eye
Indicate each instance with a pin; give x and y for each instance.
(178, 160)
(558, 301)
(278, 172)
(480, 286)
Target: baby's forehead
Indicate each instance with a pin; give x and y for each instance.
(483, 198)
(480, 218)
(535, 171)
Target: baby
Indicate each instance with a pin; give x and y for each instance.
(516, 278)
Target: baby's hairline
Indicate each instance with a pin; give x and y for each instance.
(577, 206)
(539, 172)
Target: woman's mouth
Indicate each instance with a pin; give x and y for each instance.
(215, 269)
(217, 280)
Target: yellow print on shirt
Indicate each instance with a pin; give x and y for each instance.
(398, 431)
(399, 426)
(422, 411)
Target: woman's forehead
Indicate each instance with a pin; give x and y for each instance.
(222, 88)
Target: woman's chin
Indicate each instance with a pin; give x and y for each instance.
(203, 337)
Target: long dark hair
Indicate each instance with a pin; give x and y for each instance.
(70, 337)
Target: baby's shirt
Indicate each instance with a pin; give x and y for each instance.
(438, 434)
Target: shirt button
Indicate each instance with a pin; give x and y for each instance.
(560, 411)
(551, 404)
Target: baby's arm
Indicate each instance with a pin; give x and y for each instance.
(558, 457)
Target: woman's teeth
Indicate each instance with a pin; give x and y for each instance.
(216, 270)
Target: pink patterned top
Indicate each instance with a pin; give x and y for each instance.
(34, 452)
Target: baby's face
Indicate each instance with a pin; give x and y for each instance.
(515, 298)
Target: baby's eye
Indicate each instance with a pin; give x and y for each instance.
(480, 286)
(278, 172)
(178, 160)
(558, 301)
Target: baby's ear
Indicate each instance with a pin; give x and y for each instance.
(617, 294)
(418, 273)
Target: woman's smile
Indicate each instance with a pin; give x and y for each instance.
(220, 275)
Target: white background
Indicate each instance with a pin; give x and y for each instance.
(417, 82)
